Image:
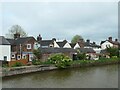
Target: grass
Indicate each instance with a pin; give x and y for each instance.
(95, 62)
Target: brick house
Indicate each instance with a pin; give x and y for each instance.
(46, 52)
(21, 47)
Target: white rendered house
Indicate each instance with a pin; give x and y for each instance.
(106, 44)
(5, 49)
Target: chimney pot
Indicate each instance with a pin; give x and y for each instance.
(110, 38)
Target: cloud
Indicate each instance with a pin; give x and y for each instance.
(63, 20)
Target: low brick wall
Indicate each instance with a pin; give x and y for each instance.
(23, 61)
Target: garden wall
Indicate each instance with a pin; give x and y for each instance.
(23, 61)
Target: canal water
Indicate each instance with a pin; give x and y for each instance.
(88, 77)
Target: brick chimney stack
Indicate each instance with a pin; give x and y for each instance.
(39, 38)
(16, 35)
(116, 40)
(88, 41)
(110, 39)
(94, 43)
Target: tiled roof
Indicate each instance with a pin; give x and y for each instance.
(61, 44)
(3, 41)
(86, 50)
(45, 42)
(91, 44)
(113, 42)
(72, 44)
(57, 50)
(19, 40)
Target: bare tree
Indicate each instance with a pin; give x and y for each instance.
(16, 29)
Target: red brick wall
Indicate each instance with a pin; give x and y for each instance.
(23, 61)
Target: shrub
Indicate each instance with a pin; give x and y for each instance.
(60, 60)
(81, 56)
(36, 62)
(17, 64)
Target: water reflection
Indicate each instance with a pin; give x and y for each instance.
(90, 77)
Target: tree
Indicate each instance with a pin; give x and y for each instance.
(113, 51)
(37, 53)
(76, 38)
(16, 29)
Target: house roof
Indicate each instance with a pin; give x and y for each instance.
(72, 44)
(113, 42)
(3, 41)
(46, 42)
(103, 51)
(19, 40)
(91, 44)
(62, 43)
(86, 50)
(57, 50)
(11, 41)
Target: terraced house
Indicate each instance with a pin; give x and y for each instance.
(21, 47)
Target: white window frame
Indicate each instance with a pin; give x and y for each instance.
(29, 46)
(18, 56)
(13, 55)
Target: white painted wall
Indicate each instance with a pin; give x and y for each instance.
(97, 50)
(56, 45)
(5, 50)
(76, 46)
(67, 45)
(105, 44)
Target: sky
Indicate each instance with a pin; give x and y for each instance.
(62, 20)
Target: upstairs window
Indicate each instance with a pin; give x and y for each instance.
(28, 46)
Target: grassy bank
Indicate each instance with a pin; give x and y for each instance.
(83, 63)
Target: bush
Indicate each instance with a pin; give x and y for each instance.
(17, 64)
(36, 62)
(60, 60)
(81, 56)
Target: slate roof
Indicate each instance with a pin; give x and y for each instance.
(72, 44)
(91, 45)
(113, 42)
(46, 42)
(86, 50)
(3, 41)
(19, 40)
(61, 44)
(57, 50)
(103, 51)
(11, 41)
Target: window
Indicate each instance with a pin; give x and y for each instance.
(13, 55)
(28, 46)
(18, 57)
(24, 57)
(5, 58)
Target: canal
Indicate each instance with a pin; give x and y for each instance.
(89, 77)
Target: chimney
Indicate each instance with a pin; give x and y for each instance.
(116, 40)
(81, 40)
(54, 39)
(88, 41)
(94, 43)
(16, 35)
(39, 38)
(110, 39)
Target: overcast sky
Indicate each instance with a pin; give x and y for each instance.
(92, 20)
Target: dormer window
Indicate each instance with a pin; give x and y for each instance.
(51, 45)
(28, 46)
